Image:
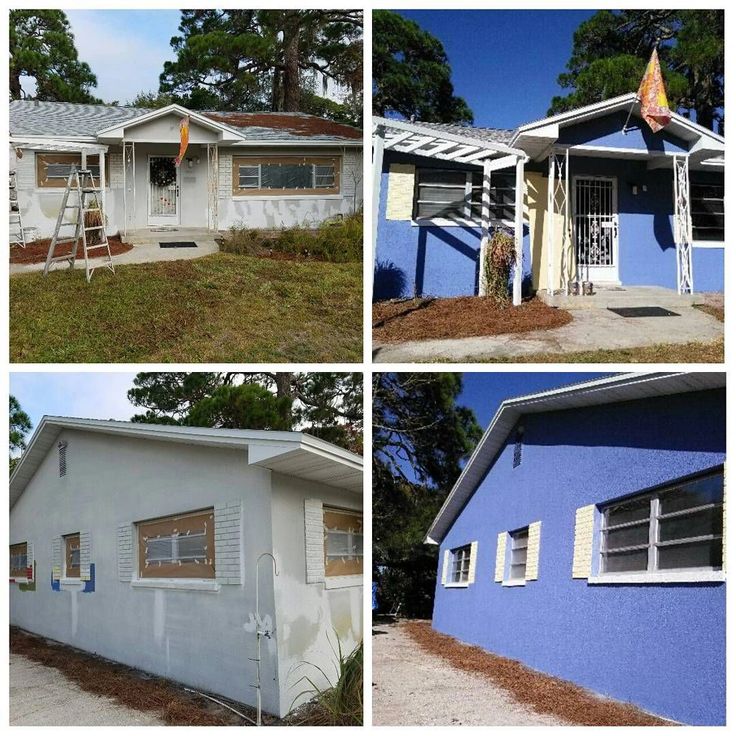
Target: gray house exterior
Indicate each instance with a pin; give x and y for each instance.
(86, 500)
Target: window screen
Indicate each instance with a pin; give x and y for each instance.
(343, 542)
(706, 212)
(19, 560)
(286, 175)
(460, 571)
(519, 544)
(72, 556)
(675, 528)
(181, 546)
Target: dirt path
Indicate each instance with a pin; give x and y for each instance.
(43, 696)
(414, 688)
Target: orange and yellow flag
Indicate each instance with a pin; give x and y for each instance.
(183, 138)
(652, 96)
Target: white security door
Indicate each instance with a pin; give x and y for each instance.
(596, 229)
(163, 191)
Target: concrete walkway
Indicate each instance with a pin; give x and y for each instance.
(43, 696)
(149, 253)
(414, 688)
(590, 329)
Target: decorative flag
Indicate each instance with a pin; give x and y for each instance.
(184, 139)
(652, 96)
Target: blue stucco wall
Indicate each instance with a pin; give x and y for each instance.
(427, 260)
(661, 647)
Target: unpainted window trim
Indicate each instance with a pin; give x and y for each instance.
(19, 572)
(238, 161)
(43, 159)
(337, 568)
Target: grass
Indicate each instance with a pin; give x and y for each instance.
(222, 308)
(339, 241)
(691, 352)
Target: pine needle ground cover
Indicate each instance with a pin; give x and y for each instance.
(222, 308)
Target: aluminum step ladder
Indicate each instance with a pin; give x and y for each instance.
(16, 231)
(81, 185)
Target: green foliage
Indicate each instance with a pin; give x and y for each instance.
(411, 73)
(339, 241)
(420, 437)
(42, 47)
(152, 100)
(261, 59)
(326, 405)
(19, 425)
(500, 257)
(341, 703)
(611, 50)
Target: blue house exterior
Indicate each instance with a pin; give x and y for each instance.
(612, 217)
(547, 479)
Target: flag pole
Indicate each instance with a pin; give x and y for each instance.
(638, 98)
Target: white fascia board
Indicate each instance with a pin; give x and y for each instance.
(296, 144)
(21, 140)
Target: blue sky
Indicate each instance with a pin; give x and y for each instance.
(504, 62)
(87, 395)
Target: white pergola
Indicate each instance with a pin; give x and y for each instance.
(434, 143)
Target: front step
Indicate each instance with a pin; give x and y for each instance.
(607, 298)
(149, 237)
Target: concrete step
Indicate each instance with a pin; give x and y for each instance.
(604, 301)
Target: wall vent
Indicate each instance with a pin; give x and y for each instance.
(518, 445)
(62, 459)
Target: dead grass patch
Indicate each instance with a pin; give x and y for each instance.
(713, 310)
(465, 316)
(36, 251)
(545, 694)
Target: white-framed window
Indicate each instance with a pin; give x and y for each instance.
(706, 212)
(460, 564)
(72, 556)
(286, 175)
(679, 527)
(519, 545)
(452, 194)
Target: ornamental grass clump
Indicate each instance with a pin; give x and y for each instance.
(500, 256)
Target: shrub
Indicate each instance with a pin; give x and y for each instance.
(500, 256)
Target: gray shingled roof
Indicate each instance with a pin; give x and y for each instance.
(490, 135)
(29, 117)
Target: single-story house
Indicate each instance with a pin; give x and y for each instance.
(149, 545)
(258, 170)
(586, 538)
(589, 195)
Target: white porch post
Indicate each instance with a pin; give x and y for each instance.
(550, 220)
(485, 225)
(103, 198)
(378, 143)
(683, 224)
(125, 191)
(519, 229)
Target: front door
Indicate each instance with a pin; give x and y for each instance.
(596, 229)
(163, 191)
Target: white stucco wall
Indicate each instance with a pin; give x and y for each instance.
(202, 639)
(309, 616)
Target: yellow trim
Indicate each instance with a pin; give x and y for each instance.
(583, 552)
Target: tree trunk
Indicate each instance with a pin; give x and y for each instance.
(15, 89)
(291, 88)
(284, 387)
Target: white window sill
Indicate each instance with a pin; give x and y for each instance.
(708, 244)
(207, 586)
(513, 583)
(456, 585)
(72, 582)
(285, 197)
(653, 578)
(343, 581)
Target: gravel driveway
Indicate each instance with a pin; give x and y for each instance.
(43, 696)
(414, 688)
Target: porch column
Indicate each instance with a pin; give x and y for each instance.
(519, 229)
(103, 196)
(378, 141)
(683, 224)
(485, 225)
(550, 220)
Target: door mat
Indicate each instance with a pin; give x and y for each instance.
(179, 244)
(642, 312)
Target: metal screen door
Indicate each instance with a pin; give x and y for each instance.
(163, 191)
(596, 229)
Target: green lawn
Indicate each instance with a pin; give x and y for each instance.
(222, 308)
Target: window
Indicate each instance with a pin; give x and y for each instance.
(288, 175)
(706, 211)
(519, 545)
(71, 556)
(343, 542)
(454, 194)
(460, 569)
(19, 560)
(675, 528)
(181, 546)
(62, 458)
(53, 169)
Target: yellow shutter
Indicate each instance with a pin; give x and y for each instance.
(473, 558)
(532, 551)
(500, 556)
(583, 552)
(400, 192)
(445, 565)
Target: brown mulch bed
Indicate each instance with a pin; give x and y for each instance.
(465, 316)
(36, 251)
(126, 685)
(544, 693)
